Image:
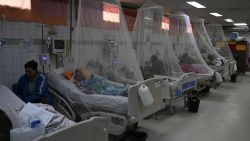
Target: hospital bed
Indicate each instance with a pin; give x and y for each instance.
(12, 105)
(121, 112)
(187, 51)
(178, 87)
(223, 69)
(155, 56)
(220, 44)
(205, 80)
(227, 69)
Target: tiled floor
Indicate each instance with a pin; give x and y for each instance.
(224, 115)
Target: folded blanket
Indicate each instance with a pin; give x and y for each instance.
(98, 85)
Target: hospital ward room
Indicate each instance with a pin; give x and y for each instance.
(124, 70)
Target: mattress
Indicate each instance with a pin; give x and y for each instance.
(83, 103)
(204, 77)
(216, 68)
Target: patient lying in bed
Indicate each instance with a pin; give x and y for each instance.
(94, 84)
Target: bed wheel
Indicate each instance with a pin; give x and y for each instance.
(172, 111)
(135, 126)
(185, 103)
(206, 90)
(233, 77)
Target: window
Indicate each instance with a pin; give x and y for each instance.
(22, 4)
(165, 23)
(111, 13)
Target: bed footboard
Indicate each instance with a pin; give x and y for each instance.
(94, 129)
(157, 88)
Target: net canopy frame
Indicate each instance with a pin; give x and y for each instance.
(218, 40)
(152, 43)
(207, 50)
(184, 45)
(104, 46)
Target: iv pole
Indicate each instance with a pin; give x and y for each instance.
(70, 23)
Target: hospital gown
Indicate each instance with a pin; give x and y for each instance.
(99, 86)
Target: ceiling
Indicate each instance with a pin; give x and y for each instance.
(238, 10)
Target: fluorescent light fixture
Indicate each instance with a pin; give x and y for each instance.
(195, 4)
(240, 24)
(147, 18)
(229, 20)
(216, 14)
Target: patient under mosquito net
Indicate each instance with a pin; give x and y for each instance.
(219, 40)
(185, 46)
(102, 45)
(208, 52)
(94, 84)
(152, 43)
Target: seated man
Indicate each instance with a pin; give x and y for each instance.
(146, 72)
(185, 59)
(33, 86)
(157, 66)
(97, 85)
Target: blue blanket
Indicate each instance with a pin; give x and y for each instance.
(98, 85)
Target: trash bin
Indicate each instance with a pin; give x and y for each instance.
(137, 136)
(193, 104)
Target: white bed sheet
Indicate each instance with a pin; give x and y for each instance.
(92, 102)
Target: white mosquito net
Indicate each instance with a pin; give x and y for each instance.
(102, 42)
(208, 52)
(219, 40)
(152, 43)
(185, 46)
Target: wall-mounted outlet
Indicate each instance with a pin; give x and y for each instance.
(2, 42)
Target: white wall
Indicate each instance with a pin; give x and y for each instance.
(22, 45)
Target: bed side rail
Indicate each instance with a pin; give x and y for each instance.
(184, 82)
(61, 105)
(187, 81)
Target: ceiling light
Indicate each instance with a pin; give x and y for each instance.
(229, 20)
(147, 18)
(240, 24)
(216, 14)
(195, 4)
